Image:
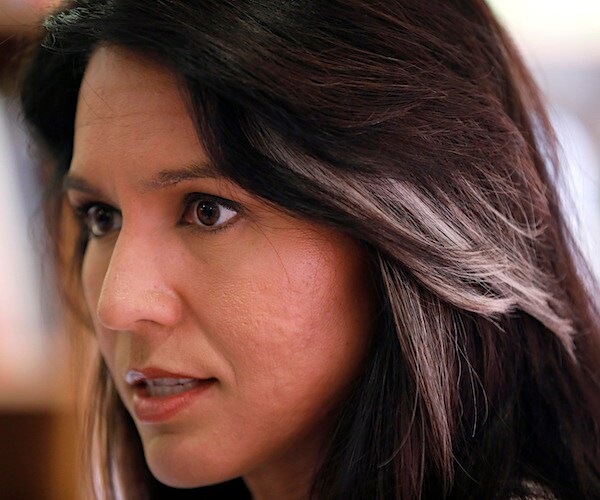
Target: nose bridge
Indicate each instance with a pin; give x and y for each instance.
(136, 286)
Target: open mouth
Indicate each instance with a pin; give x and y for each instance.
(160, 387)
(163, 386)
(159, 396)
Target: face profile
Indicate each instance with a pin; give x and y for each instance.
(238, 371)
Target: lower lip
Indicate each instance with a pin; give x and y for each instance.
(152, 410)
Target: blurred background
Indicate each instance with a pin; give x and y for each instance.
(38, 458)
(560, 42)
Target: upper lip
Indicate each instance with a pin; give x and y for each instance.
(137, 376)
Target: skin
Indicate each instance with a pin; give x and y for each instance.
(275, 308)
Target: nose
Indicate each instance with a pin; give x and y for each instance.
(136, 288)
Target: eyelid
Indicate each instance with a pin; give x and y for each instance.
(81, 210)
(79, 200)
(82, 206)
(192, 198)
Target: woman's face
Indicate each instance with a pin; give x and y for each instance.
(187, 276)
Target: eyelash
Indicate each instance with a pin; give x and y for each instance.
(82, 213)
(192, 198)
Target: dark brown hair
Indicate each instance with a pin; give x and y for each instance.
(415, 128)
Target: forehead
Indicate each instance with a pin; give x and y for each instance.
(131, 111)
(118, 83)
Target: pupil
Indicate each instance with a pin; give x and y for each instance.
(102, 220)
(208, 213)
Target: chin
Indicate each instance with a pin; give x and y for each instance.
(179, 465)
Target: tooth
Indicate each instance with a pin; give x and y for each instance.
(171, 390)
(157, 382)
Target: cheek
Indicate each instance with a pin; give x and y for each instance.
(297, 325)
(93, 271)
(91, 279)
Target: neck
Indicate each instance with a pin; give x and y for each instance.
(289, 479)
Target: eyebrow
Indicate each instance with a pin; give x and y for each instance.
(163, 179)
(166, 178)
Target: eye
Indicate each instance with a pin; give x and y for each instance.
(209, 211)
(100, 219)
